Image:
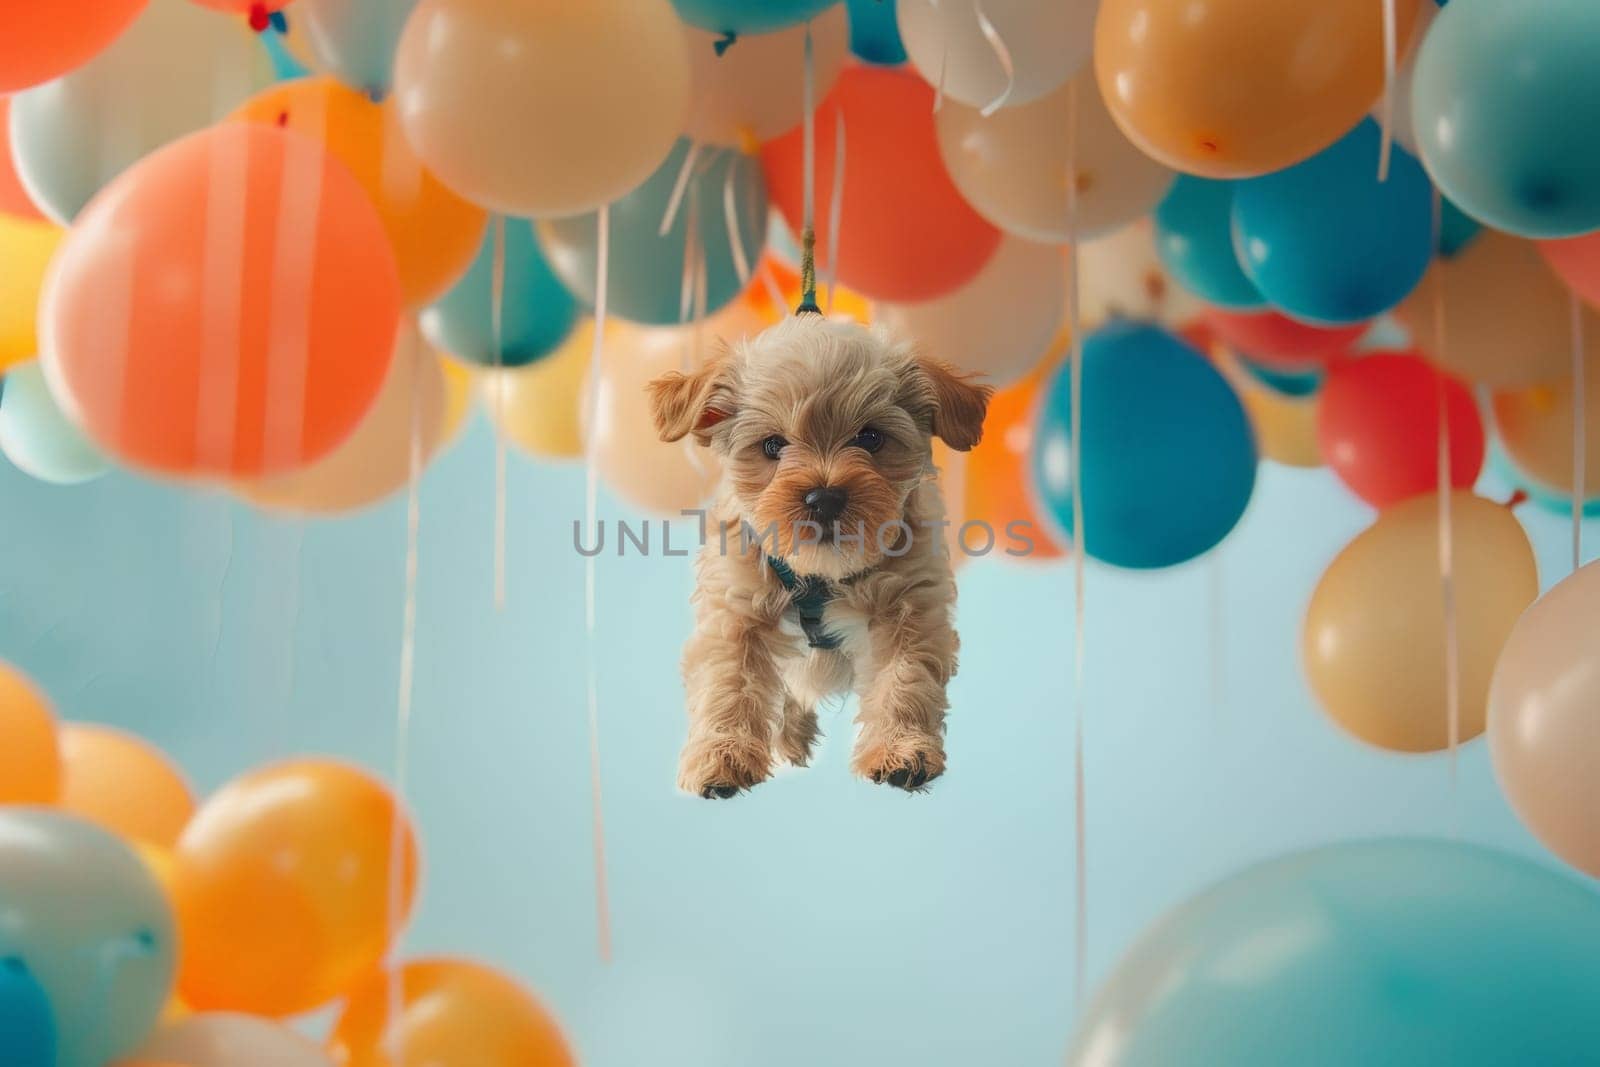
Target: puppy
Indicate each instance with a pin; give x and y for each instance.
(824, 567)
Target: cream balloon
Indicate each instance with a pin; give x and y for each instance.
(753, 90)
(1544, 735)
(1001, 323)
(1013, 166)
(1045, 43)
(1121, 276)
(375, 460)
(1401, 127)
(224, 1039)
(1374, 643)
(178, 68)
(552, 108)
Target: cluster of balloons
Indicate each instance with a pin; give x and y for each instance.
(145, 927)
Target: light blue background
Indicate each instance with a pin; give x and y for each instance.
(818, 920)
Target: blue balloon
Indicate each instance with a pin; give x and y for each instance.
(875, 32)
(1392, 953)
(356, 40)
(749, 16)
(537, 312)
(1282, 382)
(27, 1030)
(81, 909)
(1506, 105)
(1457, 229)
(1168, 458)
(1326, 241)
(37, 437)
(1194, 238)
(645, 277)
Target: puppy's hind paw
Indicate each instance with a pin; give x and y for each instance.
(720, 767)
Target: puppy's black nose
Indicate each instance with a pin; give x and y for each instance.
(826, 502)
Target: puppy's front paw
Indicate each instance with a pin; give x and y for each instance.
(717, 766)
(906, 761)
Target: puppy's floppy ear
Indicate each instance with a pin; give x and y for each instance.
(959, 405)
(693, 403)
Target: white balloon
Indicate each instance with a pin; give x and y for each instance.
(1044, 41)
(1121, 276)
(223, 1039)
(753, 90)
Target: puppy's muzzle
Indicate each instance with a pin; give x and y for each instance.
(826, 502)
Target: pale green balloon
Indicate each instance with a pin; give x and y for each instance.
(38, 437)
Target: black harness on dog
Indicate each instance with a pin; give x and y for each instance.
(809, 596)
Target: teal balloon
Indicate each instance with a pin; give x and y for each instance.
(1506, 106)
(1457, 229)
(38, 438)
(1390, 953)
(749, 16)
(1283, 382)
(355, 40)
(1194, 239)
(875, 32)
(27, 1030)
(537, 312)
(1168, 457)
(645, 280)
(285, 67)
(96, 931)
(1325, 241)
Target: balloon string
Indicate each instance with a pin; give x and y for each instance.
(774, 291)
(1075, 414)
(1002, 54)
(497, 298)
(1580, 446)
(1386, 141)
(678, 188)
(836, 208)
(1447, 579)
(1219, 650)
(808, 232)
(686, 287)
(591, 493)
(289, 304)
(730, 215)
(222, 297)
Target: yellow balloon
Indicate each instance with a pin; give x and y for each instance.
(536, 407)
(1286, 426)
(1534, 425)
(25, 251)
(1374, 643)
(459, 389)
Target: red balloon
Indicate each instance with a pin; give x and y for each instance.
(44, 39)
(1279, 341)
(1378, 426)
(1576, 261)
(905, 233)
(14, 199)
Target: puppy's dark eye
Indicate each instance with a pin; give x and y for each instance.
(869, 439)
(773, 446)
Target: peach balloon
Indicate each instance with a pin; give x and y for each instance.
(45, 40)
(284, 887)
(1374, 642)
(30, 758)
(754, 90)
(1576, 261)
(225, 1039)
(124, 784)
(25, 249)
(1507, 318)
(435, 234)
(451, 1013)
(1121, 276)
(1239, 88)
(537, 406)
(1534, 426)
(227, 306)
(552, 108)
(1285, 426)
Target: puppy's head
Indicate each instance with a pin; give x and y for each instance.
(824, 428)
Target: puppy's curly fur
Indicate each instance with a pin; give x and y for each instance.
(812, 386)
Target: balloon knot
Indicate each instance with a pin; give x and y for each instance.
(260, 18)
(727, 41)
(1520, 496)
(376, 93)
(280, 22)
(283, 118)
(749, 143)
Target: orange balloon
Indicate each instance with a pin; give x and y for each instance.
(45, 40)
(30, 755)
(283, 888)
(453, 1013)
(123, 783)
(1238, 88)
(434, 232)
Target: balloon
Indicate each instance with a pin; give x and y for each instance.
(1401, 128)
(289, 867)
(1326, 241)
(1379, 427)
(50, 39)
(224, 1039)
(27, 1031)
(1576, 261)
(1120, 276)
(646, 278)
(1237, 88)
(875, 32)
(537, 312)
(1285, 425)
(451, 1013)
(271, 329)
(1168, 460)
(25, 249)
(537, 407)
(459, 389)
(1000, 324)
(434, 233)
(123, 783)
(1044, 45)
(374, 462)
(178, 69)
(1542, 731)
(749, 16)
(1279, 341)
(1534, 426)
(14, 199)
(355, 39)
(905, 232)
(1286, 383)
(1013, 165)
(754, 90)
(1507, 318)
(1381, 675)
(1505, 103)
(30, 760)
(1374, 952)
(91, 925)
(38, 438)
(487, 89)
(1194, 234)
